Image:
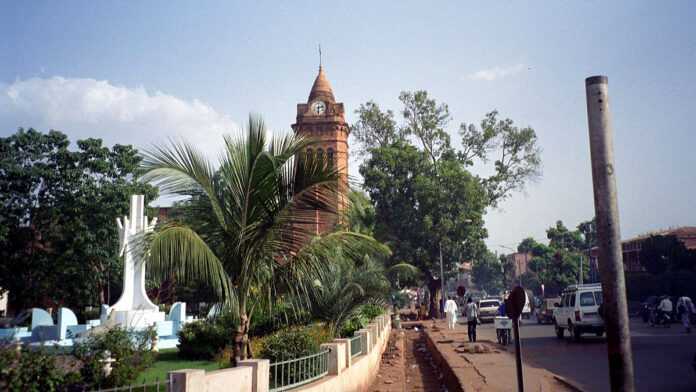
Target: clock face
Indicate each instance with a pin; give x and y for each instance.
(319, 107)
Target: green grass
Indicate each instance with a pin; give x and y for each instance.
(168, 360)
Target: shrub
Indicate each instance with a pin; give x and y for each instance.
(129, 349)
(289, 344)
(203, 339)
(32, 370)
(353, 324)
(370, 311)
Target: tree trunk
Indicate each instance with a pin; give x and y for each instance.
(434, 288)
(241, 340)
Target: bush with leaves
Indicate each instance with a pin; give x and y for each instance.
(294, 342)
(30, 370)
(358, 321)
(131, 351)
(203, 339)
(370, 311)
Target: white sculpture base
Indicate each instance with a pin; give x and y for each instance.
(137, 319)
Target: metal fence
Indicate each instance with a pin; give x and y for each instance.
(157, 386)
(295, 372)
(356, 346)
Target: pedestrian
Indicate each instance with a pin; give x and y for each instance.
(685, 310)
(451, 313)
(471, 319)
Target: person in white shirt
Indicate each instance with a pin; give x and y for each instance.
(451, 313)
(665, 307)
(685, 309)
(472, 314)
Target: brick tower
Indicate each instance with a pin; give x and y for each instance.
(322, 119)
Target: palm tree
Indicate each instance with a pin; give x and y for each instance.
(249, 235)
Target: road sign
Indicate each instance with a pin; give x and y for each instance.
(461, 290)
(514, 304)
(513, 307)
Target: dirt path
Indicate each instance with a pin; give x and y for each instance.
(407, 365)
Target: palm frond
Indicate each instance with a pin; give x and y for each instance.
(179, 251)
(182, 170)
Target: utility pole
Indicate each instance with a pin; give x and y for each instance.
(580, 270)
(442, 282)
(609, 235)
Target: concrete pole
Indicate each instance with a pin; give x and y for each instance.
(609, 235)
(442, 282)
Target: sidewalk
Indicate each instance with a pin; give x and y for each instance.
(486, 366)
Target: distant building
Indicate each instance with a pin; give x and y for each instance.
(631, 247)
(520, 262)
(463, 278)
(322, 119)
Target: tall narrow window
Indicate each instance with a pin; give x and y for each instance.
(330, 156)
(309, 154)
(320, 155)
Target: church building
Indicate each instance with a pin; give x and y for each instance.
(322, 119)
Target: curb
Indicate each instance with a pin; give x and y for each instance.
(568, 383)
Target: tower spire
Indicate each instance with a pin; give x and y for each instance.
(319, 56)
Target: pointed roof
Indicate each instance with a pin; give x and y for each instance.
(321, 88)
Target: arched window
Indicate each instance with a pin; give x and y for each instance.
(320, 155)
(309, 154)
(330, 156)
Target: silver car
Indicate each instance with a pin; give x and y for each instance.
(488, 309)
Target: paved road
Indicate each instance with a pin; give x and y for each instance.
(662, 356)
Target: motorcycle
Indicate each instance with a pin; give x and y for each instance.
(660, 318)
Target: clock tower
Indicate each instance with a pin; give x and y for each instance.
(322, 119)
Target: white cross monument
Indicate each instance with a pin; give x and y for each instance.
(134, 309)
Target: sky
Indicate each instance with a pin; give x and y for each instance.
(141, 72)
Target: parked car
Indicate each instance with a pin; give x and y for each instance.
(578, 311)
(544, 313)
(488, 309)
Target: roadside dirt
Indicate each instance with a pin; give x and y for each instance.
(407, 365)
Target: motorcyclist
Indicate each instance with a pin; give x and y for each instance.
(664, 309)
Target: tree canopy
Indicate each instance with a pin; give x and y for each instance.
(426, 198)
(557, 264)
(57, 222)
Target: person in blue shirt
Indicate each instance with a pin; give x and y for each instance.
(501, 309)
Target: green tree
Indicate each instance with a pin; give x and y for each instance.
(252, 241)
(561, 238)
(426, 200)
(557, 264)
(661, 253)
(57, 222)
(374, 128)
(487, 273)
(415, 213)
(360, 216)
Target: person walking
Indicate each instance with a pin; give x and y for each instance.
(471, 319)
(685, 309)
(451, 313)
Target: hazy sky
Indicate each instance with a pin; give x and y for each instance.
(137, 72)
